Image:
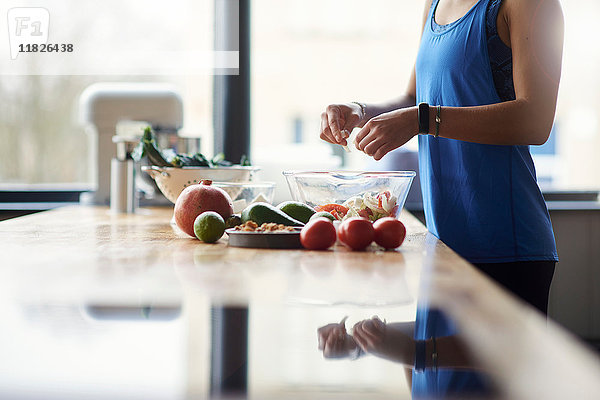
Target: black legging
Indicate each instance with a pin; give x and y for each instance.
(529, 280)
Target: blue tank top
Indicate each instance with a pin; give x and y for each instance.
(481, 200)
(444, 383)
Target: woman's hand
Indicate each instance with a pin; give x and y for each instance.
(387, 132)
(335, 342)
(373, 336)
(338, 120)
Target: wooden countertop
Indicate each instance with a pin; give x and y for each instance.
(78, 260)
(84, 239)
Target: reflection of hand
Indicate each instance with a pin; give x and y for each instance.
(370, 335)
(335, 342)
(375, 337)
(338, 120)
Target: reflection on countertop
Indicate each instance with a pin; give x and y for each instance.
(126, 306)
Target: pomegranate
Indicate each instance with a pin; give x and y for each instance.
(196, 199)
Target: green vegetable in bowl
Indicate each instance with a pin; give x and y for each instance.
(147, 147)
(219, 161)
(168, 158)
(183, 160)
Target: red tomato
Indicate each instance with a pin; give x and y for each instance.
(365, 213)
(337, 210)
(357, 233)
(389, 232)
(318, 234)
(341, 232)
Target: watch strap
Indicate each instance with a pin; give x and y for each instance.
(420, 348)
(423, 116)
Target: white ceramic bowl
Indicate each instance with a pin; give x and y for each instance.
(171, 181)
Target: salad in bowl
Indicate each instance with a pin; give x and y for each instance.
(368, 205)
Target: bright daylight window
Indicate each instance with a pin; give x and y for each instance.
(43, 140)
(310, 53)
(305, 55)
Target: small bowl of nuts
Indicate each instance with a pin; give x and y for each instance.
(265, 236)
(267, 227)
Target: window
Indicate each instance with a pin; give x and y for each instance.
(310, 53)
(577, 124)
(307, 54)
(43, 141)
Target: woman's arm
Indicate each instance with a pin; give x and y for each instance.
(372, 110)
(395, 342)
(536, 30)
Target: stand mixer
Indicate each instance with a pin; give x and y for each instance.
(103, 106)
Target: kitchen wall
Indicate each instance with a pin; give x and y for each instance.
(575, 293)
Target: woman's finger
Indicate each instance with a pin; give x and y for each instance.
(371, 329)
(338, 347)
(323, 334)
(359, 141)
(333, 115)
(368, 334)
(372, 144)
(378, 149)
(361, 341)
(334, 347)
(361, 338)
(326, 134)
(338, 332)
(323, 337)
(352, 121)
(362, 133)
(367, 140)
(325, 329)
(381, 152)
(379, 324)
(330, 342)
(327, 348)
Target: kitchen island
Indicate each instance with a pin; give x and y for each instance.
(99, 305)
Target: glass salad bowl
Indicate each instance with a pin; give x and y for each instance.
(346, 194)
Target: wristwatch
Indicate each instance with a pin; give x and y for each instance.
(423, 116)
(420, 354)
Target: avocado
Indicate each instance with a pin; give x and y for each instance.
(297, 210)
(264, 213)
(323, 214)
(233, 221)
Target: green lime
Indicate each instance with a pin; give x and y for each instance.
(209, 226)
(322, 214)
